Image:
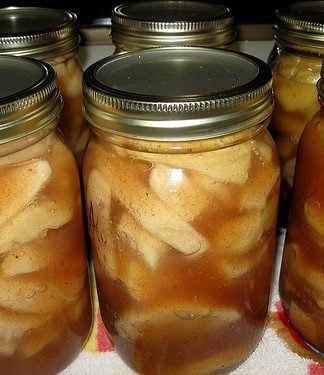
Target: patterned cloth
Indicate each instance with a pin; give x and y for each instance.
(280, 352)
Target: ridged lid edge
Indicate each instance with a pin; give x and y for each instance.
(42, 43)
(26, 111)
(217, 30)
(292, 26)
(196, 117)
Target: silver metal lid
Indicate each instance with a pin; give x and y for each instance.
(301, 24)
(29, 97)
(147, 24)
(37, 32)
(179, 93)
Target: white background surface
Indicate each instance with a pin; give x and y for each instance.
(92, 53)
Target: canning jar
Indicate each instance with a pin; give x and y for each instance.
(302, 272)
(296, 64)
(51, 35)
(147, 24)
(181, 179)
(45, 309)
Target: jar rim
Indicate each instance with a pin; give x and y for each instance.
(178, 92)
(300, 23)
(147, 24)
(29, 96)
(37, 32)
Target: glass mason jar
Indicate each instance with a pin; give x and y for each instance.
(302, 272)
(45, 307)
(296, 64)
(51, 35)
(181, 181)
(147, 24)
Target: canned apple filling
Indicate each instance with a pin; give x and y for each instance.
(294, 84)
(182, 201)
(302, 273)
(296, 65)
(69, 76)
(45, 305)
(51, 35)
(183, 251)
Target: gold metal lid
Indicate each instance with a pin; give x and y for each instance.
(181, 93)
(147, 24)
(301, 24)
(29, 97)
(37, 32)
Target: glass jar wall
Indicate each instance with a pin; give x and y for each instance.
(302, 275)
(181, 191)
(51, 35)
(45, 304)
(296, 64)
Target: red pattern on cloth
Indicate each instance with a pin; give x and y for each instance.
(315, 369)
(103, 343)
(284, 319)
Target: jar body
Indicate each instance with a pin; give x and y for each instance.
(182, 236)
(295, 74)
(69, 74)
(302, 277)
(45, 304)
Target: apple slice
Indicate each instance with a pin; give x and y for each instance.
(142, 242)
(148, 210)
(34, 221)
(19, 186)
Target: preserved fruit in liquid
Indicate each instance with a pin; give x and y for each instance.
(181, 193)
(45, 304)
(51, 35)
(296, 63)
(180, 243)
(302, 273)
(294, 85)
